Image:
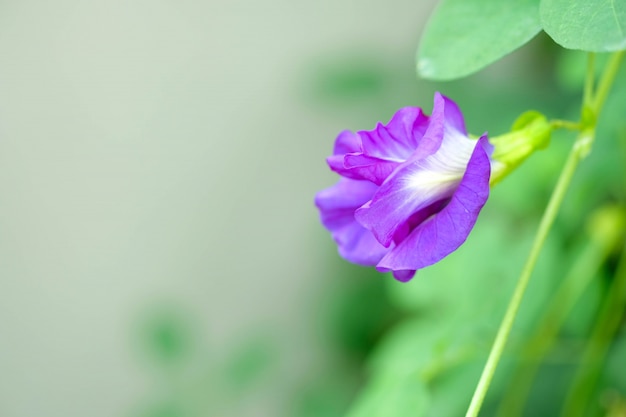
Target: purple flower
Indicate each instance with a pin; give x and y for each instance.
(410, 190)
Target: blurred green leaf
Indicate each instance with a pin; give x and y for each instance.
(549, 389)
(614, 374)
(571, 69)
(351, 77)
(167, 336)
(588, 25)
(580, 320)
(248, 364)
(356, 314)
(446, 355)
(326, 394)
(463, 36)
(417, 346)
(393, 396)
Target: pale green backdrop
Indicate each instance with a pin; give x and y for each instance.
(158, 161)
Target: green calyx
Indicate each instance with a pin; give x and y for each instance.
(530, 132)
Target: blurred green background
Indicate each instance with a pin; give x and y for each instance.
(158, 161)
(160, 254)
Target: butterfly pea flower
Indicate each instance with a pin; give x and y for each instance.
(410, 191)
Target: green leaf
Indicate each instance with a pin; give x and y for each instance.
(392, 396)
(417, 346)
(588, 25)
(249, 363)
(464, 36)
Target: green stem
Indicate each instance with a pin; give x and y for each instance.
(604, 86)
(565, 124)
(576, 154)
(588, 89)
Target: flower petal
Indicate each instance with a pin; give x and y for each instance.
(337, 205)
(374, 155)
(346, 142)
(417, 184)
(362, 167)
(396, 140)
(453, 117)
(403, 275)
(447, 230)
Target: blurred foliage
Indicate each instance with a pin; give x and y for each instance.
(191, 381)
(166, 336)
(429, 362)
(247, 365)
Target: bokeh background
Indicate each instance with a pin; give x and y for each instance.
(160, 254)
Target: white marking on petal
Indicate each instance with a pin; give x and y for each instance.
(439, 174)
